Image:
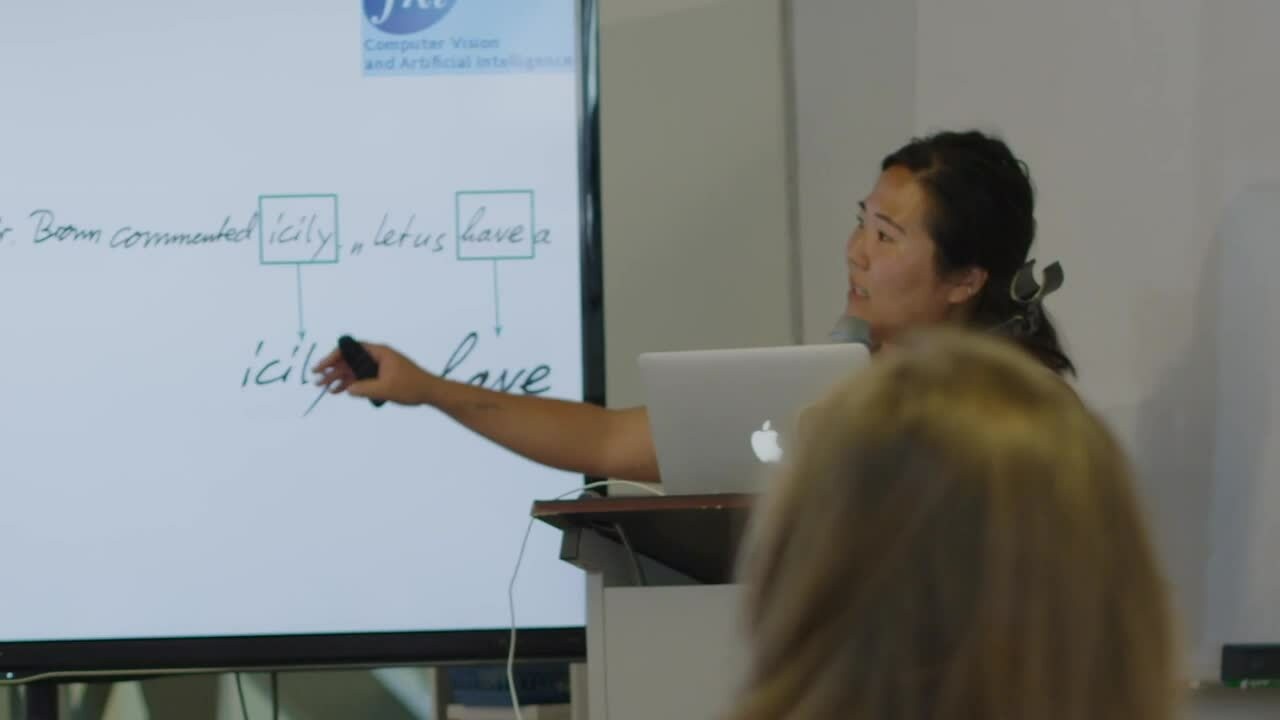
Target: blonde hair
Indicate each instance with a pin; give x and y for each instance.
(957, 537)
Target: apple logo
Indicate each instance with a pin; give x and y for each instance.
(764, 443)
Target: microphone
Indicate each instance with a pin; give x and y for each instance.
(850, 329)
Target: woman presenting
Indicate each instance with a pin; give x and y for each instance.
(939, 241)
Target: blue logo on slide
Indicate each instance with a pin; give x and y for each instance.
(402, 17)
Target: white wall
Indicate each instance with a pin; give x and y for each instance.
(1141, 120)
(1240, 119)
(854, 66)
(1100, 98)
(695, 211)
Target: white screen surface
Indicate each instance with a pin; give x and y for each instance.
(195, 203)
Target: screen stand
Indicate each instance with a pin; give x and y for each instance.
(41, 700)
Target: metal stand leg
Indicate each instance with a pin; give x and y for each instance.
(92, 704)
(41, 701)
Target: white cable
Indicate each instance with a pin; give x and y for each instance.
(511, 589)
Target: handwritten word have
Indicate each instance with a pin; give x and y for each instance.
(477, 231)
(531, 380)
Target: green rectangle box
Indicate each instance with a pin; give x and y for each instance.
(303, 219)
(496, 245)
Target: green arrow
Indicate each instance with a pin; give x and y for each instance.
(497, 310)
(323, 391)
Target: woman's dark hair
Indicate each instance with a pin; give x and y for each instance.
(981, 212)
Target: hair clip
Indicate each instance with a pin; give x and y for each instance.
(1024, 289)
(1026, 292)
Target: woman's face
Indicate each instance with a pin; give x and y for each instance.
(894, 284)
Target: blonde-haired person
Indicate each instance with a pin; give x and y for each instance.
(957, 537)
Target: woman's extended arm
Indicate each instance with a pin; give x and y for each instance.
(572, 436)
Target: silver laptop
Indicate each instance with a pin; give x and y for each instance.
(721, 418)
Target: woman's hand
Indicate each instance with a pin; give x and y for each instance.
(399, 380)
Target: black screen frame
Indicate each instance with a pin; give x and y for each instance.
(106, 659)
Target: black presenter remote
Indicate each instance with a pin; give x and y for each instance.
(360, 361)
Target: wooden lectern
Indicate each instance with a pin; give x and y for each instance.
(663, 621)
